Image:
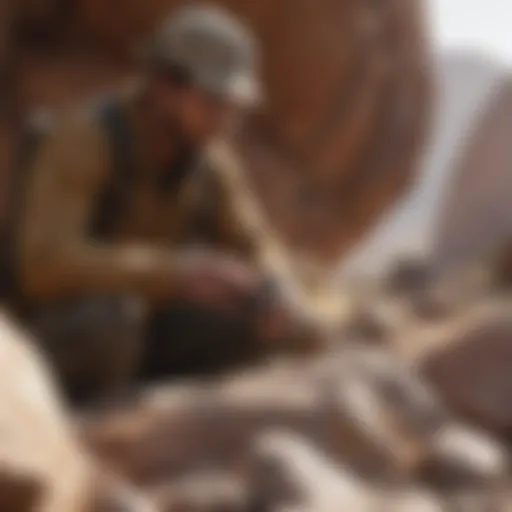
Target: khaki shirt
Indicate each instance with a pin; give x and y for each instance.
(57, 254)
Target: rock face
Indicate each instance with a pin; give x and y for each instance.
(465, 85)
(328, 432)
(469, 364)
(477, 213)
(503, 269)
(346, 111)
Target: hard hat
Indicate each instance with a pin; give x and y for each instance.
(216, 51)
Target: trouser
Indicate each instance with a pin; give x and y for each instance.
(100, 345)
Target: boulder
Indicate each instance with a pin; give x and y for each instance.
(367, 411)
(503, 267)
(291, 473)
(468, 361)
(42, 465)
(300, 477)
(204, 491)
(37, 442)
(476, 213)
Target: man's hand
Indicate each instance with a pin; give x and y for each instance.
(287, 329)
(230, 285)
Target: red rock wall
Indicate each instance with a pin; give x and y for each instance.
(347, 103)
(477, 214)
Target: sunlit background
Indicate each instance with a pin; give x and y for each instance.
(472, 50)
(482, 25)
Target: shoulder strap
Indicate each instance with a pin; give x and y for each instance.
(202, 222)
(111, 115)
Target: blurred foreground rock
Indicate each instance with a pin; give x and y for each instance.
(355, 429)
(468, 360)
(42, 466)
(299, 477)
(348, 99)
(37, 442)
(360, 407)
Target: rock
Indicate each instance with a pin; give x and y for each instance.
(464, 458)
(382, 416)
(352, 428)
(37, 442)
(208, 491)
(396, 417)
(468, 361)
(476, 212)
(111, 494)
(43, 467)
(411, 500)
(365, 325)
(363, 407)
(503, 267)
(408, 276)
(170, 429)
(291, 474)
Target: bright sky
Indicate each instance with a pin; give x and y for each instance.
(482, 24)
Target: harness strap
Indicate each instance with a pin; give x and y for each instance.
(112, 200)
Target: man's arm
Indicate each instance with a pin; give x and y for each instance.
(243, 225)
(56, 255)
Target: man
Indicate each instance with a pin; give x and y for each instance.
(136, 224)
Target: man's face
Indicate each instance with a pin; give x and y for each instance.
(196, 114)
